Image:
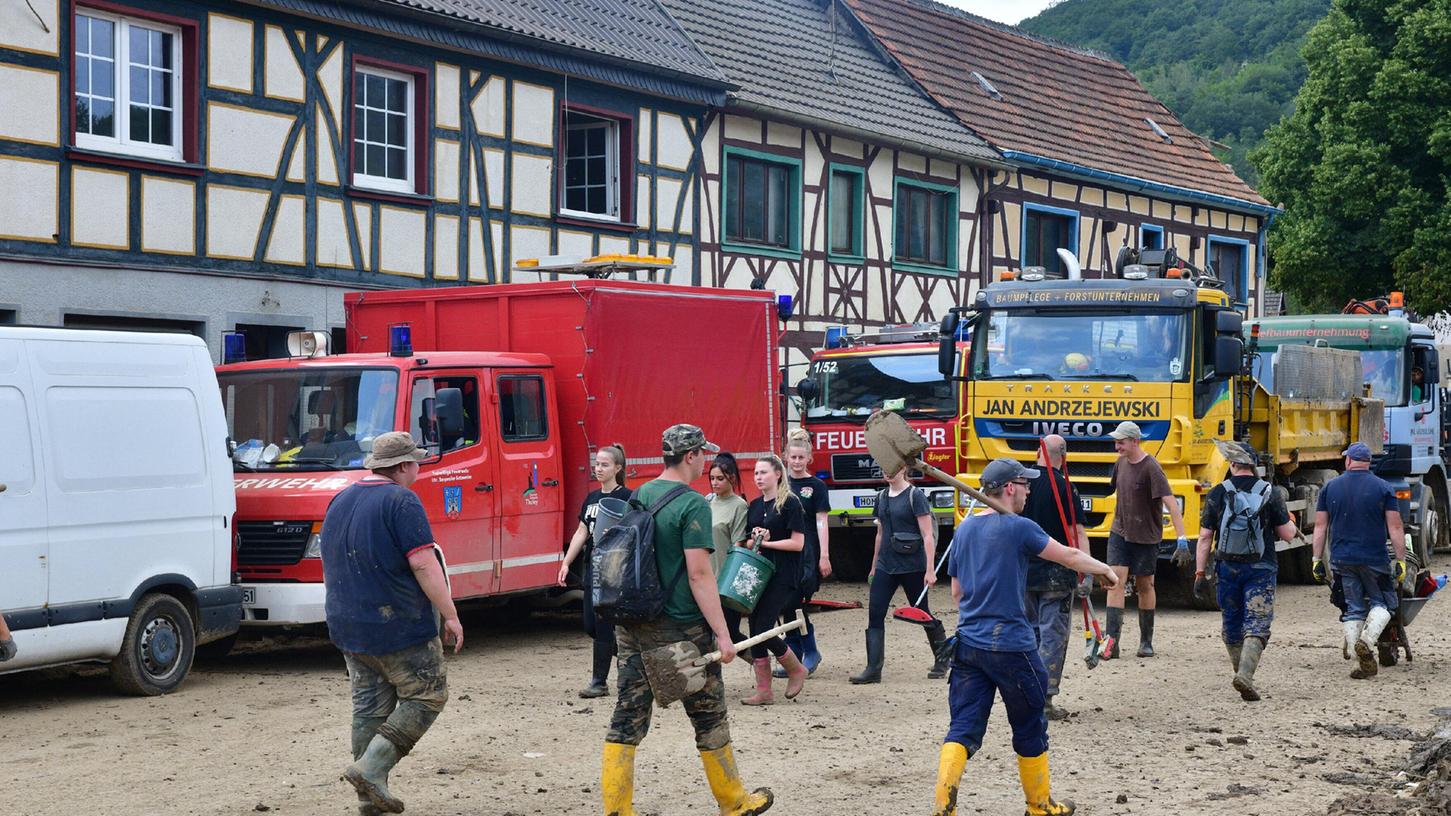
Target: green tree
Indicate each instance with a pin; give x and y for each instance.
(1362, 165)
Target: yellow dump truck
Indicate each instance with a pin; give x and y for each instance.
(1162, 347)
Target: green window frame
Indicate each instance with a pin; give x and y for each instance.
(845, 210)
(924, 227)
(761, 203)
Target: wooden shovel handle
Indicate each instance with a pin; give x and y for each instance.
(952, 481)
(799, 623)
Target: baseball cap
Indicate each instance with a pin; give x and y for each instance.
(1127, 430)
(1237, 453)
(1001, 471)
(1358, 452)
(679, 440)
(393, 448)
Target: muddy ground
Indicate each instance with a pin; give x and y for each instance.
(266, 729)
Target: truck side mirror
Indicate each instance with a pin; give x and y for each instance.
(947, 346)
(1228, 321)
(448, 408)
(1228, 356)
(808, 390)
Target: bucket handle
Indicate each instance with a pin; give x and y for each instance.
(755, 543)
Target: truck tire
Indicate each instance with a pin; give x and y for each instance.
(157, 652)
(1295, 566)
(1437, 528)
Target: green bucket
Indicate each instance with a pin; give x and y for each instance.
(743, 578)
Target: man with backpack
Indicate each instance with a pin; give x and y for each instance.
(681, 602)
(1244, 514)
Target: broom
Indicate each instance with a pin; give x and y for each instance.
(1096, 644)
(915, 613)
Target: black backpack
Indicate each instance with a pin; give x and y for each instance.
(626, 586)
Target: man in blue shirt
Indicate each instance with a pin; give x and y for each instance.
(996, 649)
(384, 582)
(1361, 511)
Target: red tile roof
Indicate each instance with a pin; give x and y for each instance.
(1058, 101)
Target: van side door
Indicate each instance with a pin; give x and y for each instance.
(531, 535)
(457, 486)
(24, 545)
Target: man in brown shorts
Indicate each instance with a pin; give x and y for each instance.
(1142, 491)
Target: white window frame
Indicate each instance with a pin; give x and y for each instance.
(612, 168)
(121, 84)
(407, 184)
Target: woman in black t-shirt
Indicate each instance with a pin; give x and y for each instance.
(609, 469)
(815, 556)
(776, 516)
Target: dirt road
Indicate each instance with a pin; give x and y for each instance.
(267, 728)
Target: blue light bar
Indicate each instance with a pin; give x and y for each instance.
(234, 348)
(835, 337)
(400, 340)
(785, 306)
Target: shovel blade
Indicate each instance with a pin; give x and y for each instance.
(672, 673)
(892, 442)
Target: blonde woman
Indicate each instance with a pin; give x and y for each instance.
(778, 518)
(609, 470)
(816, 555)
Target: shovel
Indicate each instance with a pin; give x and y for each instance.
(678, 670)
(893, 443)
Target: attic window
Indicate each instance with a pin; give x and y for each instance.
(1158, 131)
(987, 87)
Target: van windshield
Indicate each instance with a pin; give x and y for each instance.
(308, 419)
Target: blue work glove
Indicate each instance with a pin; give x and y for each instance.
(1317, 571)
(1182, 557)
(7, 650)
(1399, 569)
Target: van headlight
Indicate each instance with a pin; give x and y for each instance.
(943, 499)
(314, 546)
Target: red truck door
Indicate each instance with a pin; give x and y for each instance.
(531, 533)
(459, 488)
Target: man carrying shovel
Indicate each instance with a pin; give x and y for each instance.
(996, 649)
(692, 612)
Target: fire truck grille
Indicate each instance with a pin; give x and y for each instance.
(271, 542)
(855, 467)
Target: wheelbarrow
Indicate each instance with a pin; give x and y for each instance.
(1393, 639)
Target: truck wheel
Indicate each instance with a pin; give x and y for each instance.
(1295, 566)
(1436, 536)
(1388, 655)
(157, 651)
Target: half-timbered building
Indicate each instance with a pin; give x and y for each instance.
(1097, 162)
(218, 166)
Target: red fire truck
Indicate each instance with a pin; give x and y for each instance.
(512, 388)
(893, 367)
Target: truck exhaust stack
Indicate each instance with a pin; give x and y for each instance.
(1070, 264)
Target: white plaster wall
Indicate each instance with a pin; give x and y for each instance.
(496, 231)
(478, 265)
(445, 247)
(674, 148)
(445, 170)
(327, 163)
(245, 141)
(297, 165)
(614, 245)
(445, 95)
(234, 217)
(783, 135)
(527, 242)
(19, 28)
(531, 183)
(667, 196)
(646, 133)
(533, 113)
(287, 244)
(229, 52)
(283, 75)
(687, 225)
(100, 202)
(740, 127)
(332, 235)
(493, 177)
(330, 78)
(488, 107)
(168, 216)
(28, 105)
(573, 244)
(363, 214)
(401, 241)
(644, 204)
(28, 217)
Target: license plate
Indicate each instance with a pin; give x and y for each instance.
(1086, 504)
(866, 501)
(249, 596)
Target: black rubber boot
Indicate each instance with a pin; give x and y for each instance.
(1146, 633)
(936, 636)
(876, 648)
(1115, 625)
(604, 655)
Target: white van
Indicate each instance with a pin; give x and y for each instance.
(116, 503)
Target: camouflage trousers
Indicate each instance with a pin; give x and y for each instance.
(633, 708)
(398, 695)
(1246, 600)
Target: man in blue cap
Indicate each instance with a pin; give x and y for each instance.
(996, 649)
(1361, 512)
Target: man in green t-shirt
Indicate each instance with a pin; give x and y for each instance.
(683, 544)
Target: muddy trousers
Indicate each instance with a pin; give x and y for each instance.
(1246, 593)
(705, 708)
(1051, 615)
(396, 696)
(978, 676)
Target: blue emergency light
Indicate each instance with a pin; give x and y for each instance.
(785, 306)
(234, 348)
(400, 340)
(835, 337)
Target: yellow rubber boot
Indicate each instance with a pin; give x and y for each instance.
(949, 775)
(725, 783)
(1033, 772)
(617, 779)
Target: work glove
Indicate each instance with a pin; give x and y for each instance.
(1085, 587)
(7, 649)
(1203, 590)
(946, 649)
(1317, 571)
(1398, 568)
(1182, 557)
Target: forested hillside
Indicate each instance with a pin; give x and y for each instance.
(1228, 68)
